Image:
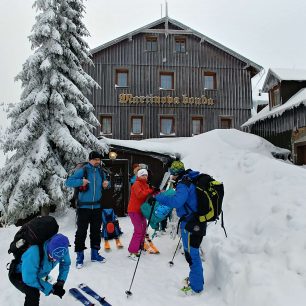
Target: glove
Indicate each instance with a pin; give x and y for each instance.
(58, 289)
(151, 200)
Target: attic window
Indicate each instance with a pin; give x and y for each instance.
(151, 43)
(275, 96)
(180, 44)
(210, 80)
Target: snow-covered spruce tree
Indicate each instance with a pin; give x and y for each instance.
(51, 127)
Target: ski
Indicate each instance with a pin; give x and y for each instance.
(93, 294)
(152, 248)
(80, 297)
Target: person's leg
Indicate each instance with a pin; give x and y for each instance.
(95, 229)
(143, 228)
(191, 245)
(138, 234)
(82, 226)
(31, 294)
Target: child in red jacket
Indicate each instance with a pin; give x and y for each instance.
(139, 193)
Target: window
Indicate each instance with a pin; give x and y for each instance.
(106, 124)
(167, 80)
(197, 125)
(167, 126)
(151, 43)
(210, 81)
(180, 44)
(226, 123)
(136, 125)
(122, 77)
(275, 96)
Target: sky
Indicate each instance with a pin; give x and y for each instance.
(268, 32)
(260, 263)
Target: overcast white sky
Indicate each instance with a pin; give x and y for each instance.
(269, 32)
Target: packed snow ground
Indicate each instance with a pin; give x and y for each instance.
(262, 262)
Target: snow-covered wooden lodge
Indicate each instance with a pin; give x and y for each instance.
(166, 79)
(283, 121)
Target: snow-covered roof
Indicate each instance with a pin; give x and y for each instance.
(284, 74)
(188, 30)
(295, 101)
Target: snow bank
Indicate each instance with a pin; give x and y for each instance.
(262, 262)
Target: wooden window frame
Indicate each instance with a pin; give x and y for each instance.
(122, 70)
(227, 118)
(131, 125)
(151, 39)
(173, 132)
(201, 126)
(272, 96)
(102, 116)
(180, 40)
(160, 82)
(212, 74)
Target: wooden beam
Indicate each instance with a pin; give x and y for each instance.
(164, 31)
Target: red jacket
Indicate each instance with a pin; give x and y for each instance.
(139, 193)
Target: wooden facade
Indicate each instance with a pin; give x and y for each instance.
(152, 83)
(286, 129)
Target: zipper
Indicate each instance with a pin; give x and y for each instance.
(94, 193)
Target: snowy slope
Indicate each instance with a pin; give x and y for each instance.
(262, 262)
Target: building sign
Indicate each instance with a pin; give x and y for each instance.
(130, 99)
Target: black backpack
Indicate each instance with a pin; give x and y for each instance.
(35, 232)
(210, 195)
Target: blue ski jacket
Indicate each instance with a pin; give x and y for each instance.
(92, 196)
(34, 272)
(184, 193)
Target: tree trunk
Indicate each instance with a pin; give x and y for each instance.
(44, 211)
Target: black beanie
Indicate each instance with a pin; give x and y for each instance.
(94, 154)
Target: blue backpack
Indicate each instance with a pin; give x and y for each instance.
(160, 212)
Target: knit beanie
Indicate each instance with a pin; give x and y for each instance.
(57, 246)
(142, 172)
(94, 154)
(177, 168)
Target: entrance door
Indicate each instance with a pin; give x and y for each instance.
(301, 155)
(117, 196)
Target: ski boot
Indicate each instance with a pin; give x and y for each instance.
(96, 257)
(119, 244)
(80, 260)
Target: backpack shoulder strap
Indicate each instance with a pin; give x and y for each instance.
(41, 254)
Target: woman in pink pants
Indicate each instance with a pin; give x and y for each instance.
(139, 193)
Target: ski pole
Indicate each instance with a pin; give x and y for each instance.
(171, 263)
(128, 292)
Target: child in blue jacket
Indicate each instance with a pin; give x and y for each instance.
(30, 275)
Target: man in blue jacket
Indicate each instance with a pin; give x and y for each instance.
(185, 202)
(90, 179)
(31, 274)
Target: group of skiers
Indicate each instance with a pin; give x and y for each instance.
(30, 275)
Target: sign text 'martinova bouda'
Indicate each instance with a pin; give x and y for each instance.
(130, 99)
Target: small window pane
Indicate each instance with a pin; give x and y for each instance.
(106, 125)
(196, 126)
(166, 81)
(167, 126)
(136, 125)
(209, 82)
(122, 78)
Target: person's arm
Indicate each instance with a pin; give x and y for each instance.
(140, 192)
(64, 267)
(174, 201)
(76, 179)
(30, 268)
